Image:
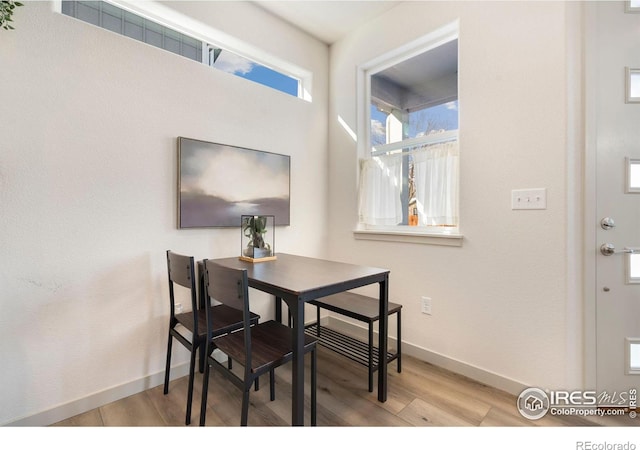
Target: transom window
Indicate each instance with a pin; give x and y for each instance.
(118, 20)
(244, 67)
(409, 175)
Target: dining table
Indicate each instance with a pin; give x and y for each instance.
(296, 280)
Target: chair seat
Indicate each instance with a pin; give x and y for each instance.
(271, 345)
(357, 306)
(225, 320)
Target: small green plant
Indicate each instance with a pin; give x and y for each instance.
(7, 8)
(254, 228)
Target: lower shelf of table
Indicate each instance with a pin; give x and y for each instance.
(347, 346)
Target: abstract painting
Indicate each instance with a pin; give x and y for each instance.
(219, 183)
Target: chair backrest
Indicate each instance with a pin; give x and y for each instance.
(230, 287)
(181, 271)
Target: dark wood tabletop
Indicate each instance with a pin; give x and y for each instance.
(303, 277)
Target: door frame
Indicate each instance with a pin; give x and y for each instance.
(579, 344)
(590, 195)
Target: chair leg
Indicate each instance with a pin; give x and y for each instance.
(168, 366)
(205, 391)
(192, 368)
(201, 358)
(371, 357)
(272, 385)
(245, 407)
(313, 388)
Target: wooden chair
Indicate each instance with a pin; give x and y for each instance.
(181, 272)
(259, 349)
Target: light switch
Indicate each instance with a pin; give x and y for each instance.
(529, 198)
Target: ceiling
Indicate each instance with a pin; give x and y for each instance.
(327, 20)
(437, 63)
(427, 79)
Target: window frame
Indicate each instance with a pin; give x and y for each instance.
(190, 27)
(364, 72)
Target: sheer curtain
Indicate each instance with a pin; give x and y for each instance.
(436, 180)
(380, 190)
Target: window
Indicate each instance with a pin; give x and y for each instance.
(243, 67)
(128, 24)
(409, 173)
(632, 353)
(632, 264)
(633, 85)
(632, 6)
(121, 21)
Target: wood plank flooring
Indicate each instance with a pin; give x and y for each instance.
(423, 395)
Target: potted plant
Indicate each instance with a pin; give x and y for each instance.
(257, 243)
(7, 8)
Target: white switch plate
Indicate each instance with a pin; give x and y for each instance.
(529, 198)
(426, 305)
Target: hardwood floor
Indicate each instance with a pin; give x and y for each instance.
(422, 395)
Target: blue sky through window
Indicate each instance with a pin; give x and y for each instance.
(440, 117)
(251, 70)
(268, 77)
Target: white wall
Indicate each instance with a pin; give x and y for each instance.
(88, 127)
(88, 122)
(505, 306)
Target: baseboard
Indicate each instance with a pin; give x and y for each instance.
(98, 399)
(82, 405)
(475, 373)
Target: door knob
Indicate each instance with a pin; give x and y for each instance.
(607, 223)
(610, 249)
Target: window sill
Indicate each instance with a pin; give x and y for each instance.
(412, 237)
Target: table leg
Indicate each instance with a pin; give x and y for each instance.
(383, 331)
(278, 310)
(296, 309)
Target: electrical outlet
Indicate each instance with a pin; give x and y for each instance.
(178, 308)
(426, 305)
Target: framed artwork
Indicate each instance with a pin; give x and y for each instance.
(218, 183)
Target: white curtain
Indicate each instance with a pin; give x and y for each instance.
(380, 190)
(436, 179)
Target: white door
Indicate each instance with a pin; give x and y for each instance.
(615, 130)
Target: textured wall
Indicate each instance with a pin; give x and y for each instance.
(88, 126)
